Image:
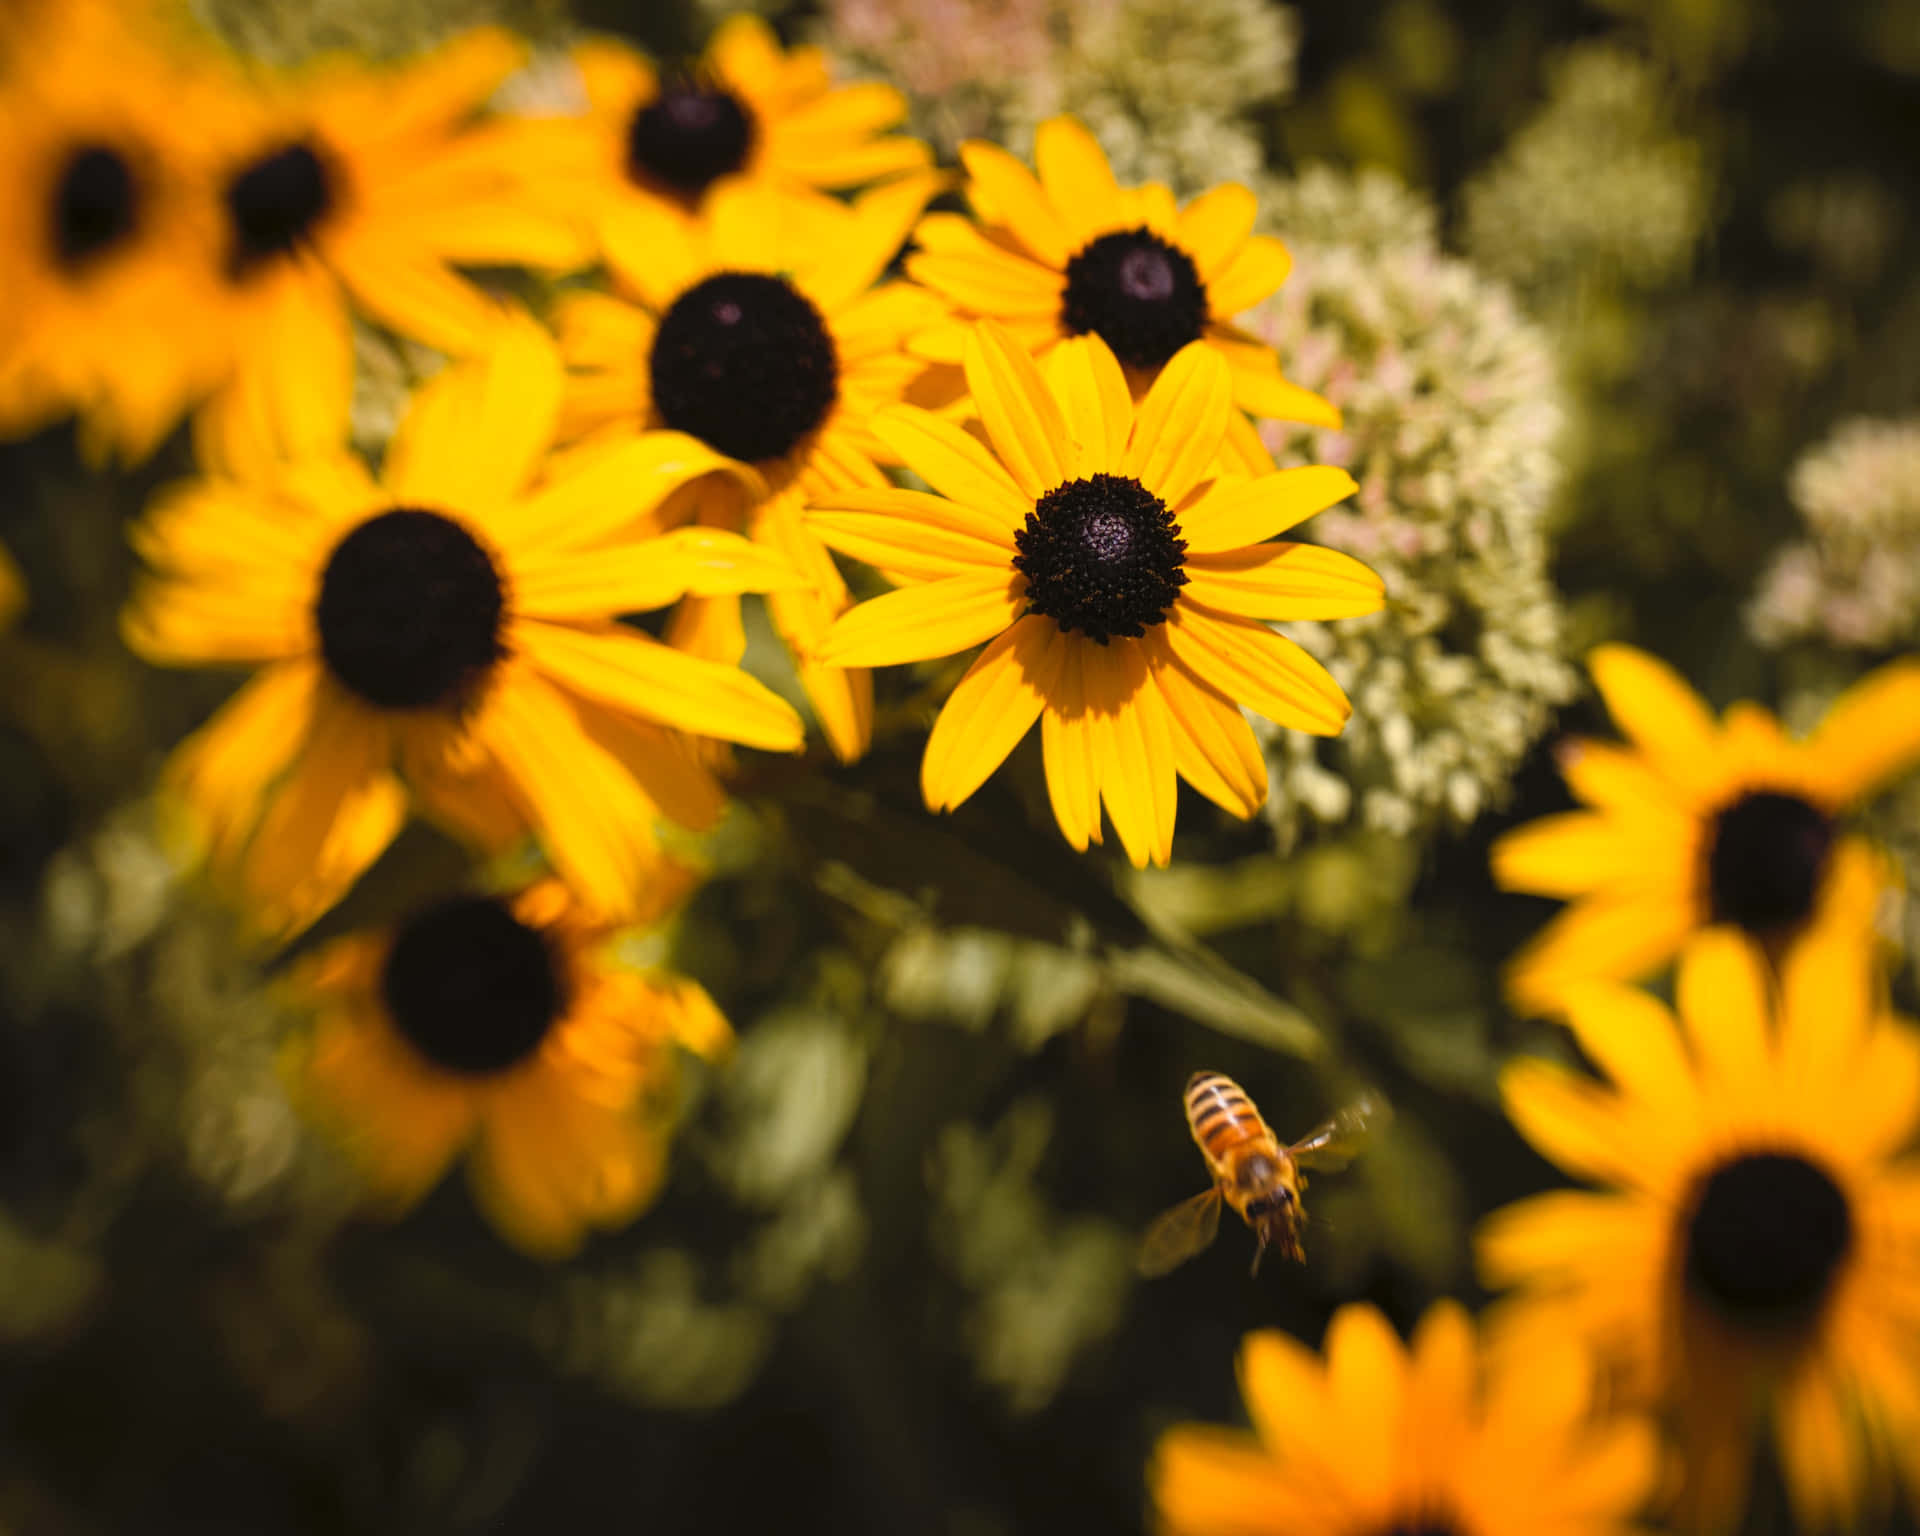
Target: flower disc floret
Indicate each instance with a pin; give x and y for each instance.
(1767, 1234)
(410, 610)
(472, 987)
(1767, 858)
(1102, 557)
(275, 202)
(743, 361)
(1139, 294)
(96, 205)
(688, 137)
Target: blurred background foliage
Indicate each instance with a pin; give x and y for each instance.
(1622, 302)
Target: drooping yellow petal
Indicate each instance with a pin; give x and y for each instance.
(936, 618)
(223, 770)
(1235, 514)
(1067, 749)
(1284, 581)
(1133, 749)
(1214, 748)
(1022, 418)
(1257, 668)
(1179, 426)
(990, 709)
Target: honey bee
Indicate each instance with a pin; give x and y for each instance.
(1251, 1172)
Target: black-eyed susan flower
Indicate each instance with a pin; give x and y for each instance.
(502, 1028)
(768, 341)
(448, 629)
(108, 295)
(749, 111)
(1756, 1252)
(1696, 821)
(1120, 587)
(1070, 252)
(346, 188)
(1458, 1436)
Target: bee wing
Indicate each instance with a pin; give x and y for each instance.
(1329, 1147)
(1177, 1235)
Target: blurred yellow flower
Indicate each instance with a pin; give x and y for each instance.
(1120, 586)
(349, 188)
(1697, 821)
(750, 111)
(1458, 1436)
(1757, 1251)
(770, 343)
(1072, 253)
(108, 233)
(448, 628)
(500, 1028)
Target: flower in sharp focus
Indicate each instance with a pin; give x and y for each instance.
(1457, 1436)
(1120, 586)
(1757, 1249)
(768, 342)
(449, 629)
(347, 188)
(654, 149)
(108, 300)
(1070, 252)
(1697, 821)
(502, 1029)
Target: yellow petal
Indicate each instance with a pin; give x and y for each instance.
(1632, 1038)
(1213, 226)
(1285, 581)
(1077, 179)
(1660, 714)
(921, 549)
(604, 490)
(1095, 404)
(936, 618)
(1133, 749)
(1179, 426)
(633, 578)
(1067, 748)
(1621, 936)
(1870, 735)
(1022, 418)
(1234, 514)
(1722, 990)
(632, 671)
(990, 709)
(1017, 200)
(1570, 855)
(954, 463)
(1255, 270)
(1366, 1379)
(1580, 1126)
(1214, 748)
(1256, 668)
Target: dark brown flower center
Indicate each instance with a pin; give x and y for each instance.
(410, 611)
(744, 362)
(96, 205)
(688, 137)
(1767, 1233)
(471, 987)
(1140, 295)
(274, 202)
(1102, 557)
(1767, 855)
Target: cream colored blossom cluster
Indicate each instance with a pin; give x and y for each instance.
(1452, 414)
(1854, 581)
(1165, 85)
(1599, 185)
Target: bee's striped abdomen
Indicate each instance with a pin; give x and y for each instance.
(1220, 1115)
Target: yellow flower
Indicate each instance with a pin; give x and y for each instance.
(501, 1028)
(1120, 586)
(348, 188)
(448, 627)
(1758, 1249)
(771, 345)
(108, 295)
(1457, 1437)
(1072, 253)
(656, 149)
(1698, 821)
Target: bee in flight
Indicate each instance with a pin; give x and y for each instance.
(1252, 1172)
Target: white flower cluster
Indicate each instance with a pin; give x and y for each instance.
(1599, 184)
(1165, 85)
(1854, 582)
(1452, 412)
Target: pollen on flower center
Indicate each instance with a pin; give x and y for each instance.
(1765, 1237)
(95, 204)
(471, 987)
(744, 362)
(1102, 557)
(1140, 295)
(410, 610)
(274, 202)
(1767, 854)
(688, 137)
